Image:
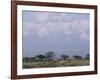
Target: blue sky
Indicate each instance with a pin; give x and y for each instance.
(60, 32)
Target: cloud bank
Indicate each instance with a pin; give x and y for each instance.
(46, 24)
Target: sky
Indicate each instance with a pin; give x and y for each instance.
(60, 32)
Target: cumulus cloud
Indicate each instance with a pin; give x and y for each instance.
(40, 17)
(84, 36)
(26, 33)
(42, 32)
(44, 24)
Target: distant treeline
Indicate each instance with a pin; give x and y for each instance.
(51, 56)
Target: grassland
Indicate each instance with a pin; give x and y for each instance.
(61, 63)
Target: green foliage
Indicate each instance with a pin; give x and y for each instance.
(64, 57)
(77, 57)
(87, 57)
(50, 55)
(41, 57)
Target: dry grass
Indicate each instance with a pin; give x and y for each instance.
(62, 63)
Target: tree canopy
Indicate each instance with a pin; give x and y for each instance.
(64, 57)
(50, 55)
(77, 57)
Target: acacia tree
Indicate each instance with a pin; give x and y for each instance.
(41, 57)
(87, 57)
(64, 57)
(50, 55)
(77, 57)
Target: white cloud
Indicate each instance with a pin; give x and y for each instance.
(79, 28)
(29, 24)
(27, 28)
(26, 33)
(40, 17)
(70, 25)
(68, 37)
(84, 36)
(42, 32)
(69, 29)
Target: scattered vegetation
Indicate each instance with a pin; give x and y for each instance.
(49, 60)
